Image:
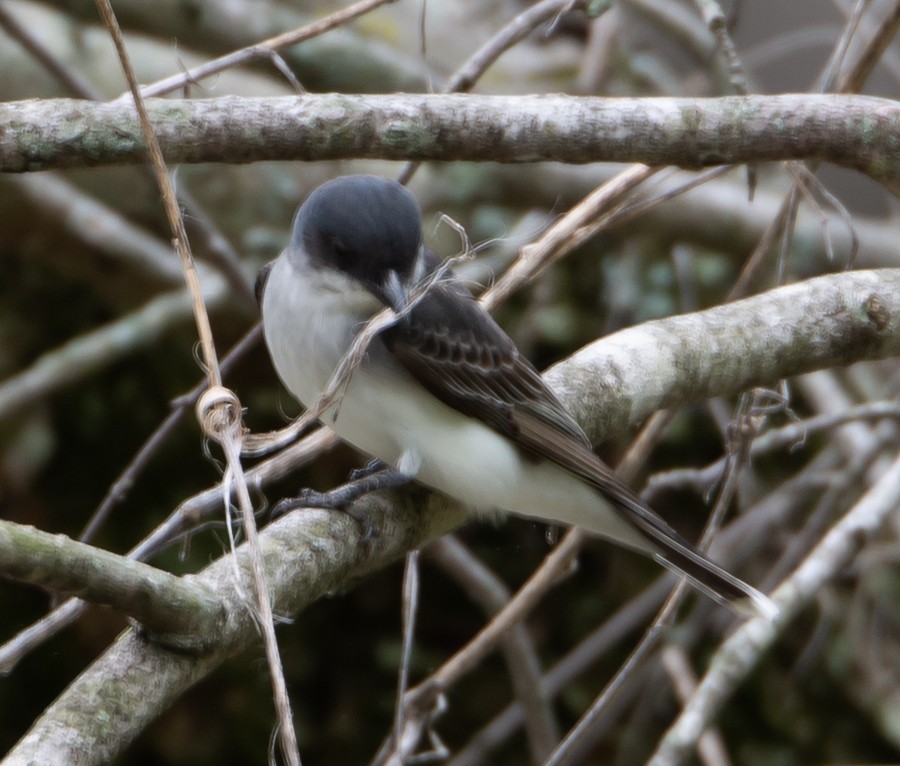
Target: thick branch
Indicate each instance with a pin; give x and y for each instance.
(835, 320)
(177, 611)
(855, 131)
(306, 555)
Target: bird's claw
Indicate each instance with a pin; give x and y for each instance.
(338, 499)
(372, 467)
(334, 500)
(371, 478)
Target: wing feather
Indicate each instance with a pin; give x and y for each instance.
(457, 351)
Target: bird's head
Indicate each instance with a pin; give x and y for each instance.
(367, 228)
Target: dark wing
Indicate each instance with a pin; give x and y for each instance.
(462, 356)
(457, 351)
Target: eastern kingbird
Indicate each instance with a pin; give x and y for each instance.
(443, 395)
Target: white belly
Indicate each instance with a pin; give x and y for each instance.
(413, 431)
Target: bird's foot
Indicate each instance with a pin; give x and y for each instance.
(362, 481)
(373, 466)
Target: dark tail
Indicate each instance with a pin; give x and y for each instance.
(678, 555)
(665, 545)
(552, 436)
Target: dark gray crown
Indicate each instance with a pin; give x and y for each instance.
(365, 226)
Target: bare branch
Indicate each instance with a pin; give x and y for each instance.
(85, 354)
(186, 518)
(306, 556)
(177, 612)
(740, 653)
(819, 323)
(854, 131)
(488, 590)
(262, 49)
(710, 747)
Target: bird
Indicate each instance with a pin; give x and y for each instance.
(443, 396)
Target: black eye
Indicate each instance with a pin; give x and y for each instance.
(340, 249)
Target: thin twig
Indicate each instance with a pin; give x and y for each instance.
(741, 652)
(809, 185)
(570, 749)
(710, 747)
(261, 49)
(741, 431)
(853, 80)
(829, 76)
(219, 410)
(119, 489)
(755, 261)
(523, 666)
(714, 17)
(424, 696)
(565, 233)
(608, 637)
(70, 79)
(464, 78)
(843, 487)
(791, 437)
